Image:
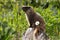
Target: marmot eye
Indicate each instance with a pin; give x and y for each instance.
(37, 23)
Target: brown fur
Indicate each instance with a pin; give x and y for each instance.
(33, 17)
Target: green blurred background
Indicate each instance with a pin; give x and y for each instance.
(13, 22)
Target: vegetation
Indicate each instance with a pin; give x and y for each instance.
(13, 22)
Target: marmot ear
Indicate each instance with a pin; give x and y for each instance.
(25, 8)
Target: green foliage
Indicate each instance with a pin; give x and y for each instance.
(13, 22)
(51, 19)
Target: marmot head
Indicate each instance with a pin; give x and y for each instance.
(25, 8)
